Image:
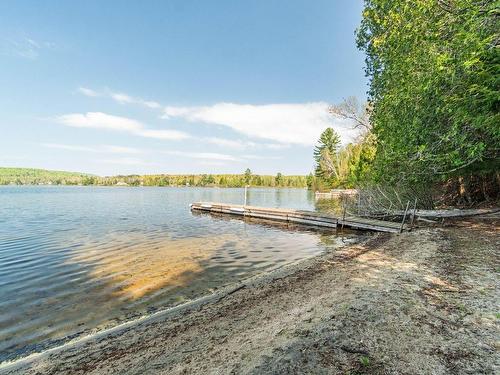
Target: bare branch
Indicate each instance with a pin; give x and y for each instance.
(351, 109)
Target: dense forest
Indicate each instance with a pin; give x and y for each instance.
(28, 176)
(432, 120)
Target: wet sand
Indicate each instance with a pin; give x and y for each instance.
(424, 302)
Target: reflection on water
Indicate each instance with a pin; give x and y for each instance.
(332, 206)
(137, 268)
(77, 259)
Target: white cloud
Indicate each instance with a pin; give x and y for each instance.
(99, 149)
(229, 143)
(151, 104)
(203, 155)
(242, 145)
(69, 147)
(88, 92)
(284, 123)
(125, 161)
(119, 97)
(173, 135)
(33, 43)
(207, 157)
(121, 149)
(99, 120)
(275, 146)
(212, 163)
(261, 157)
(24, 47)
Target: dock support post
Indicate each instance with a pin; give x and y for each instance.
(244, 204)
(413, 214)
(387, 212)
(359, 203)
(404, 217)
(343, 211)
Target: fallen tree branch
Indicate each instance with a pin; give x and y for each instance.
(451, 213)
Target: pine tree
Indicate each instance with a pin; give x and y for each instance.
(248, 176)
(325, 152)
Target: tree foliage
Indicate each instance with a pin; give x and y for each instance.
(349, 167)
(248, 176)
(325, 152)
(33, 176)
(434, 87)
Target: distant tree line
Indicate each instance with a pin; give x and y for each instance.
(221, 180)
(33, 176)
(26, 176)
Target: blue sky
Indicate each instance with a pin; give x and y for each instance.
(174, 86)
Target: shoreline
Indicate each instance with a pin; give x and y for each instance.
(172, 311)
(419, 302)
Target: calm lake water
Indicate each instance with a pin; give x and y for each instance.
(77, 259)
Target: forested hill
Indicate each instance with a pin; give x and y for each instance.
(29, 176)
(32, 176)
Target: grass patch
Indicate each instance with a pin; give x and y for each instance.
(365, 361)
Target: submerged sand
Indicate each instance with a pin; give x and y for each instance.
(424, 302)
(137, 270)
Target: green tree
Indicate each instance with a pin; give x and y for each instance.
(248, 176)
(88, 180)
(325, 153)
(223, 181)
(279, 179)
(434, 84)
(310, 181)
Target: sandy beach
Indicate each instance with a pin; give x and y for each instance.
(423, 302)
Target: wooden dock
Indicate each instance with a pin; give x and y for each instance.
(300, 217)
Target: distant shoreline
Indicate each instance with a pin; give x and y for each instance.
(154, 186)
(30, 176)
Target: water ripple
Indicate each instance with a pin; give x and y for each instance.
(76, 259)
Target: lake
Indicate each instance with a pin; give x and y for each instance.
(74, 260)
